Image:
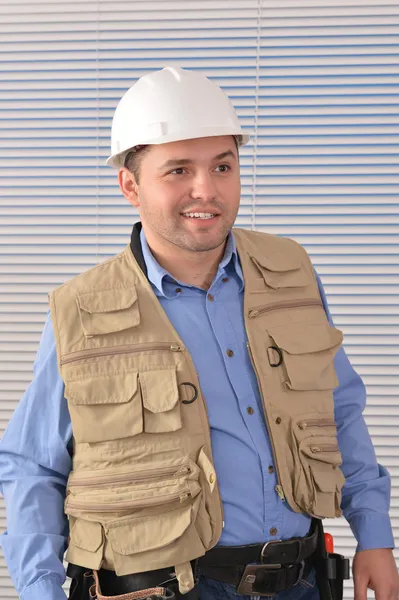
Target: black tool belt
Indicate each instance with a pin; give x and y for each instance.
(280, 565)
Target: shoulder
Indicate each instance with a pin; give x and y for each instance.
(95, 277)
(266, 243)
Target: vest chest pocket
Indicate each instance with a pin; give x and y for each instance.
(305, 353)
(121, 405)
(105, 408)
(108, 311)
(160, 397)
(279, 271)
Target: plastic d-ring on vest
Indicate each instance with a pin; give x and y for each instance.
(193, 399)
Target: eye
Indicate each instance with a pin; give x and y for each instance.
(224, 168)
(178, 171)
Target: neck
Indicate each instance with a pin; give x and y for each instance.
(191, 268)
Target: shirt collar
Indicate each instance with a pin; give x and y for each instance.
(158, 276)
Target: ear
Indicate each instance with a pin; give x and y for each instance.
(128, 186)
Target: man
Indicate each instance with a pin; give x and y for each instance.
(184, 392)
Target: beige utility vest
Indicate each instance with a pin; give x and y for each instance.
(143, 491)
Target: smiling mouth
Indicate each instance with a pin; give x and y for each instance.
(199, 215)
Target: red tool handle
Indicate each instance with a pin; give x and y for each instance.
(329, 542)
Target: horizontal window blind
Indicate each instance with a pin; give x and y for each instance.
(315, 83)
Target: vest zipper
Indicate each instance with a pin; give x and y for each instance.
(115, 350)
(324, 448)
(254, 312)
(316, 423)
(161, 474)
(278, 488)
(129, 504)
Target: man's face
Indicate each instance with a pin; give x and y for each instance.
(189, 193)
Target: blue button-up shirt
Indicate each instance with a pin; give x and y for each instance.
(35, 463)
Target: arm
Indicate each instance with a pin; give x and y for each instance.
(34, 467)
(366, 493)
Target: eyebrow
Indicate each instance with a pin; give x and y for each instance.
(180, 162)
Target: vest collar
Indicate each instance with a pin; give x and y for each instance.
(135, 246)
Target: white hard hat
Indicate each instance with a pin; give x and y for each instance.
(171, 105)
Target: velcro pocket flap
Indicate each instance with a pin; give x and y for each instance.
(304, 339)
(108, 311)
(107, 389)
(159, 389)
(282, 273)
(87, 535)
(324, 478)
(277, 262)
(105, 408)
(160, 395)
(142, 533)
(308, 352)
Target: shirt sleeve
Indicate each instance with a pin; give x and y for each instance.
(34, 468)
(366, 493)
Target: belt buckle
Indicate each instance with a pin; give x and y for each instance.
(249, 577)
(265, 546)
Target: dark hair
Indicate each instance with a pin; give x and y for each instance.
(134, 157)
(133, 160)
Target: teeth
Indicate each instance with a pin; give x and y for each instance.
(199, 215)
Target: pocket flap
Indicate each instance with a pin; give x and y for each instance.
(159, 389)
(103, 301)
(87, 535)
(107, 389)
(108, 311)
(326, 480)
(305, 339)
(140, 533)
(277, 262)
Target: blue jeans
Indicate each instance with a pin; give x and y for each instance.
(216, 590)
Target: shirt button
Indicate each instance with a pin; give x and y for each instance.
(271, 469)
(273, 531)
(211, 478)
(250, 410)
(225, 279)
(229, 353)
(178, 290)
(211, 297)
(278, 420)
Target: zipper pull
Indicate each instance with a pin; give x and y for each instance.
(184, 497)
(280, 492)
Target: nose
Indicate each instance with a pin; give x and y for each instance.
(203, 187)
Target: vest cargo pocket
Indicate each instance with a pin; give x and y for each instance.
(86, 543)
(142, 512)
(108, 311)
(143, 543)
(308, 355)
(160, 396)
(318, 478)
(127, 492)
(279, 272)
(105, 408)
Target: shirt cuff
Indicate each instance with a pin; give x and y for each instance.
(46, 588)
(372, 531)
